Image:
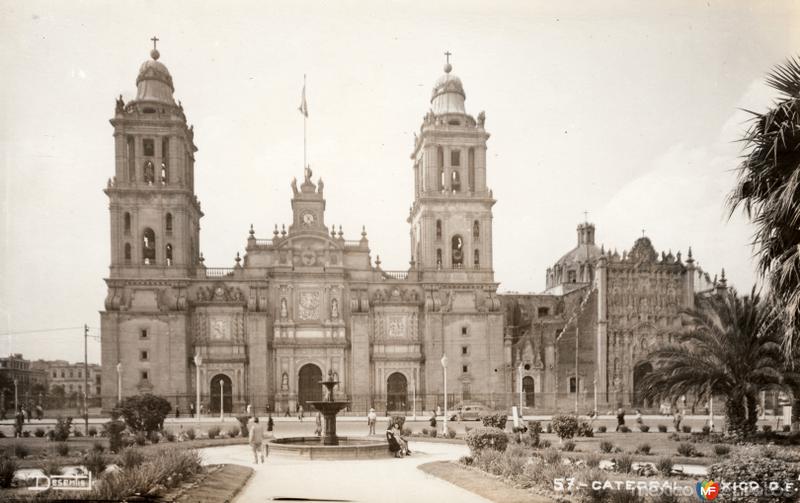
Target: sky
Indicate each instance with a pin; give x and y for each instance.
(630, 111)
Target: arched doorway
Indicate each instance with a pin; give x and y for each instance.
(527, 388)
(227, 393)
(639, 372)
(309, 388)
(396, 392)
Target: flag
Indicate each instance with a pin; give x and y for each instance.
(303, 104)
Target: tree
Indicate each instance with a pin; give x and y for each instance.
(729, 346)
(768, 192)
(144, 413)
(57, 396)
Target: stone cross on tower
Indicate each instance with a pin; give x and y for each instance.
(447, 54)
(155, 41)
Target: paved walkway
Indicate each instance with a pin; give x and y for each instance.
(384, 480)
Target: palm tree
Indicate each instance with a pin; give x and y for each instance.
(768, 191)
(729, 346)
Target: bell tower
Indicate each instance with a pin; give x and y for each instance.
(451, 218)
(155, 215)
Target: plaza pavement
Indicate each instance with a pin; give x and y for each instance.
(377, 480)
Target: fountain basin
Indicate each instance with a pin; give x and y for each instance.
(313, 448)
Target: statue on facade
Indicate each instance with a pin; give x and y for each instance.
(334, 309)
(307, 173)
(481, 118)
(294, 186)
(120, 104)
(285, 382)
(284, 309)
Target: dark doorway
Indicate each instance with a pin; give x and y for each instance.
(528, 389)
(639, 372)
(225, 389)
(309, 387)
(396, 392)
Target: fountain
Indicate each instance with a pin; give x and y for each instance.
(330, 446)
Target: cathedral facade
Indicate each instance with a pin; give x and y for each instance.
(307, 301)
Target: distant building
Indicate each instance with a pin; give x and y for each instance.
(30, 380)
(70, 376)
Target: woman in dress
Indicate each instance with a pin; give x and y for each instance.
(394, 445)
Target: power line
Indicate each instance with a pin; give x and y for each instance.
(43, 330)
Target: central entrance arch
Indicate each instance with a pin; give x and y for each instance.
(396, 392)
(225, 390)
(309, 388)
(528, 389)
(639, 372)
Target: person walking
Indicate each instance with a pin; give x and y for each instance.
(620, 418)
(318, 424)
(177, 412)
(270, 422)
(300, 413)
(191, 410)
(372, 418)
(677, 417)
(256, 438)
(639, 420)
(433, 419)
(19, 421)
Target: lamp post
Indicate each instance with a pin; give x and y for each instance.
(16, 398)
(198, 360)
(414, 393)
(519, 383)
(221, 400)
(444, 367)
(119, 382)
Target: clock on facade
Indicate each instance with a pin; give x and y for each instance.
(308, 218)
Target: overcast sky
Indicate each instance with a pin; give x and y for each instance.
(626, 110)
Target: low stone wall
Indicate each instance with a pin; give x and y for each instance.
(312, 448)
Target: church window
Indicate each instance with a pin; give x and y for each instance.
(62, 373)
(573, 387)
(455, 181)
(149, 148)
(543, 311)
(149, 173)
(164, 160)
(143, 333)
(464, 330)
(127, 223)
(163, 173)
(465, 350)
(439, 258)
(464, 369)
(471, 169)
(70, 373)
(54, 374)
(80, 373)
(145, 375)
(169, 254)
(131, 151)
(457, 251)
(455, 158)
(571, 276)
(169, 222)
(476, 229)
(143, 355)
(438, 229)
(148, 246)
(476, 258)
(127, 252)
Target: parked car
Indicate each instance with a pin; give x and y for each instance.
(468, 412)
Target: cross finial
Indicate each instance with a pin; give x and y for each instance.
(586, 216)
(447, 55)
(155, 41)
(642, 232)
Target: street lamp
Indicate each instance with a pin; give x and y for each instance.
(221, 402)
(414, 392)
(444, 366)
(16, 398)
(519, 378)
(119, 382)
(198, 360)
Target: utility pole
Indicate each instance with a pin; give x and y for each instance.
(86, 377)
(577, 380)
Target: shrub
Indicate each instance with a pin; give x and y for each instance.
(766, 428)
(144, 413)
(62, 448)
(92, 431)
(624, 463)
(243, 430)
(606, 446)
(95, 462)
(601, 429)
(425, 431)
(593, 460)
(213, 432)
(39, 433)
(26, 434)
(7, 469)
(113, 430)
(721, 449)
(21, 450)
(565, 425)
(130, 457)
(757, 469)
(466, 460)
(51, 467)
(662, 428)
(98, 447)
(534, 431)
(2, 435)
(51, 435)
(644, 428)
(643, 449)
(486, 437)
(170, 437)
(568, 446)
(234, 431)
(433, 432)
(190, 434)
(399, 421)
(585, 430)
(624, 429)
(62, 428)
(686, 428)
(451, 433)
(686, 449)
(706, 430)
(494, 419)
(664, 466)
(544, 444)
(152, 477)
(154, 437)
(548, 428)
(551, 456)
(407, 432)
(140, 439)
(787, 428)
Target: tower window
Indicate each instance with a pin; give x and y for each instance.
(439, 258)
(573, 385)
(464, 369)
(169, 254)
(149, 173)
(169, 222)
(131, 145)
(465, 350)
(149, 148)
(127, 253)
(543, 311)
(571, 276)
(464, 330)
(164, 160)
(476, 258)
(143, 333)
(455, 158)
(455, 181)
(471, 169)
(457, 251)
(148, 246)
(438, 229)
(145, 375)
(476, 229)
(163, 173)
(127, 223)
(143, 355)
(440, 165)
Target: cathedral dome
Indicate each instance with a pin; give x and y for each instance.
(154, 82)
(585, 250)
(448, 94)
